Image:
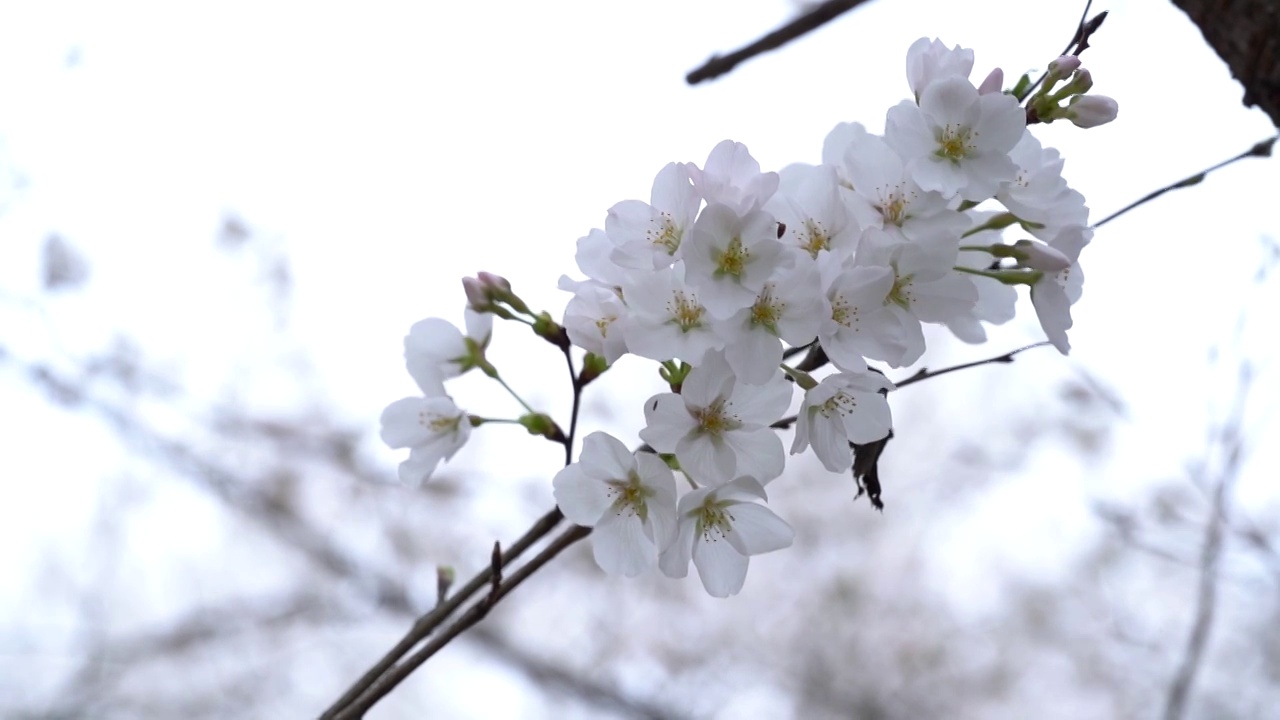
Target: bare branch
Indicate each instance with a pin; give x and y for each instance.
(394, 676)
(817, 17)
(925, 373)
(1261, 148)
(427, 624)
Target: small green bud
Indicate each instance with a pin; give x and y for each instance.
(551, 331)
(542, 424)
(593, 366)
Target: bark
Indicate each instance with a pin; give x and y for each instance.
(1246, 35)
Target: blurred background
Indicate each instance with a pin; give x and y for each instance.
(217, 223)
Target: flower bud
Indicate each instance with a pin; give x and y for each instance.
(1088, 111)
(486, 290)
(1081, 82)
(1063, 66)
(494, 281)
(477, 296)
(1039, 256)
(993, 84)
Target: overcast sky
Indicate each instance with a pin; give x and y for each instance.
(391, 148)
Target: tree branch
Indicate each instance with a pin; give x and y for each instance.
(925, 373)
(427, 624)
(395, 675)
(817, 17)
(1262, 148)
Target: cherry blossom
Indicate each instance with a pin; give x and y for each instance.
(957, 141)
(720, 529)
(435, 350)
(629, 498)
(433, 429)
(843, 408)
(718, 427)
(1055, 293)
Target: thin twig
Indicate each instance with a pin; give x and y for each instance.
(1084, 29)
(925, 373)
(1259, 149)
(473, 615)
(495, 564)
(1207, 591)
(576, 380)
(427, 623)
(810, 21)
(492, 575)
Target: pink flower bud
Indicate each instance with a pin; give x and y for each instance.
(1088, 111)
(494, 281)
(1064, 66)
(993, 84)
(477, 296)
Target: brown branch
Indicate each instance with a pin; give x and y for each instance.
(925, 373)
(1079, 43)
(1260, 149)
(817, 17)
(427, 623)
(477, 612)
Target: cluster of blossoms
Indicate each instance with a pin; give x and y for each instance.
(728, 271)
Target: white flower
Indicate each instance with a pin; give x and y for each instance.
(629, 498)
(843, 408)
(718, 427)
(1038, 193)
(732, 177)
(594, 258)
(931, 60)
(1055, 293)
(729, 257)
(721, 528)
(649, 235)
(851, 330)
(788, 307)
(433, 429)
(667, 320)
(435, 350)
(884, 195)
(595, 318)
(808, 204)
(957, 141)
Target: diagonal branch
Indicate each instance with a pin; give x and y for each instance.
(426, 624)
(820, 15)
(1260, 149)
(393, 676)
(926, 373)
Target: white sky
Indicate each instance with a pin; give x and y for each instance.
(391, 148)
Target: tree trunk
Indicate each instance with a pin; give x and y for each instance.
(1245, 34)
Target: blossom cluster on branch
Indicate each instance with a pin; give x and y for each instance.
(727, 272)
